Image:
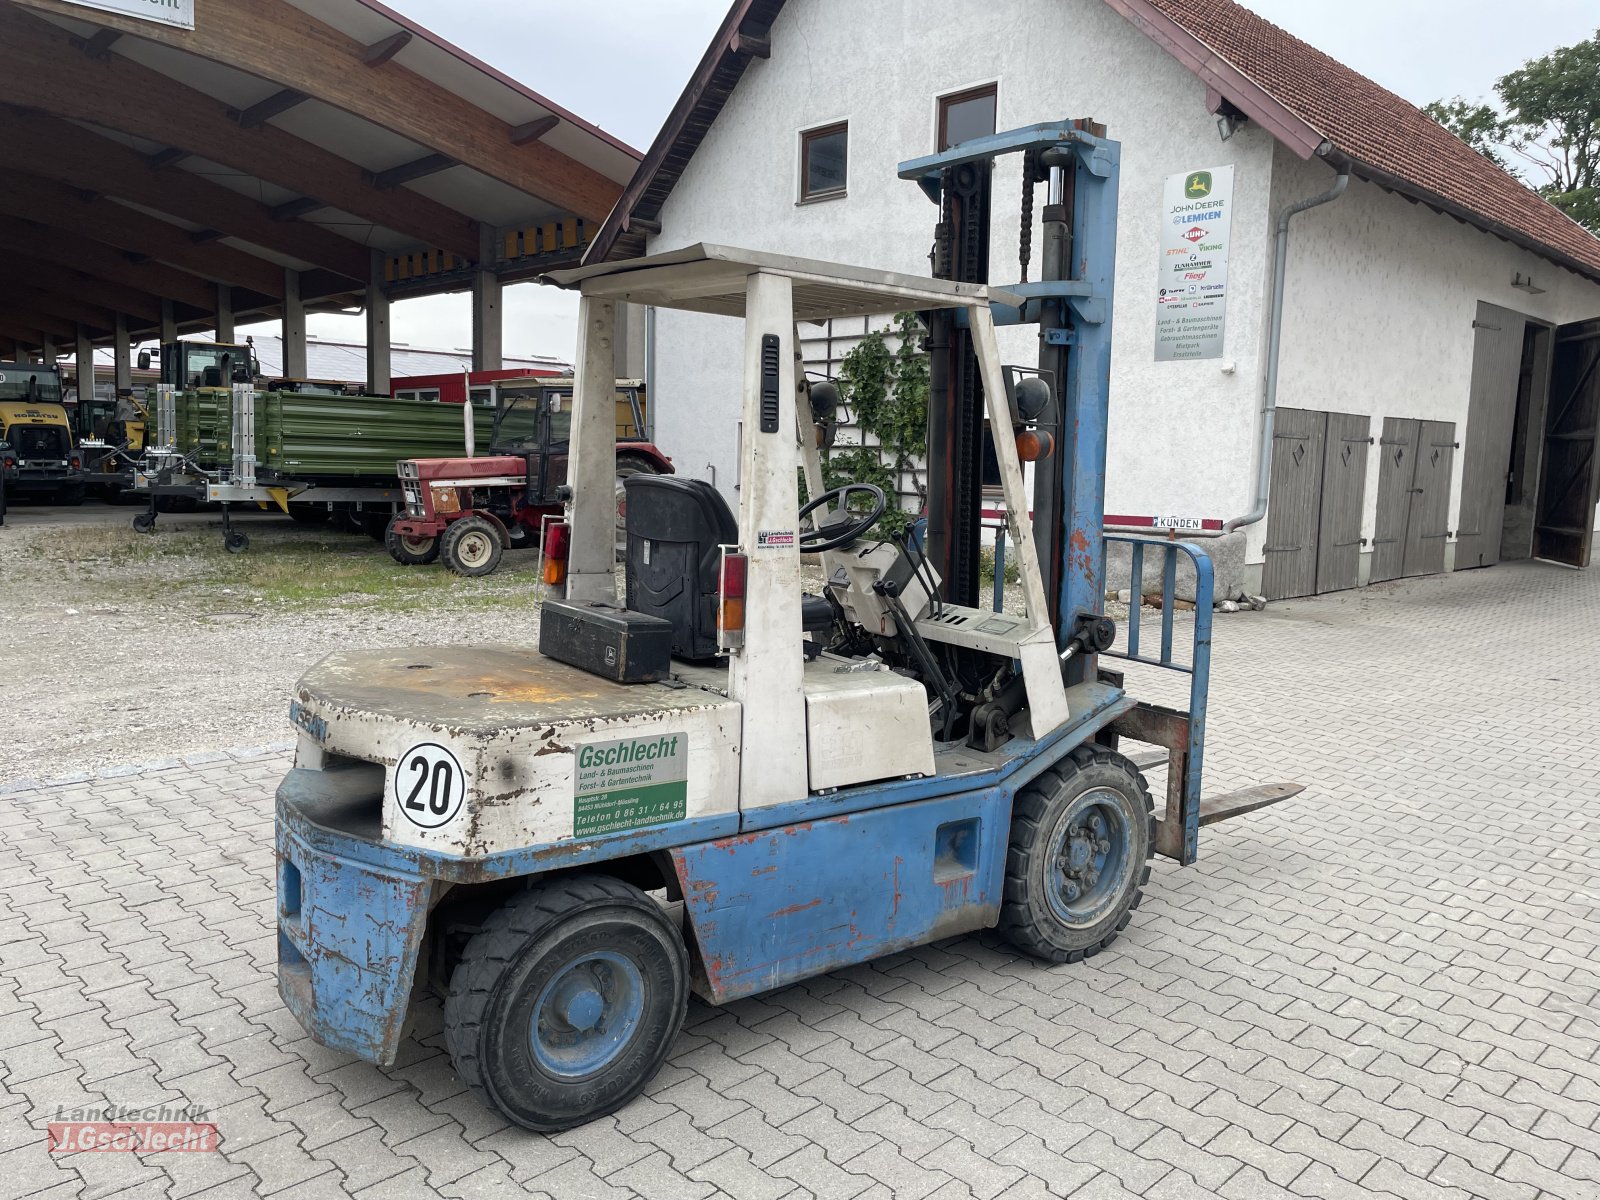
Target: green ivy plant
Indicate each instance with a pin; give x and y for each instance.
(887, 392)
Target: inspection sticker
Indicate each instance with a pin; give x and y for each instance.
(631, 783)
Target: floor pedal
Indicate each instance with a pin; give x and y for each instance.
(1236, 804)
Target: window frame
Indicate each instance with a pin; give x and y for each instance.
(807, 137)
(943, 104)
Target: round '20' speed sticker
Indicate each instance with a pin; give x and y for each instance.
(429, 785)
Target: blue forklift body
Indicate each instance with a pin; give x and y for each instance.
(794, 890)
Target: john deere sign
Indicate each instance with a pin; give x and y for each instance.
(165, 12)
(1192, 280)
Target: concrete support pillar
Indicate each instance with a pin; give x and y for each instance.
(48, 351)
(123, 353)
(84, 364)
(592, 557)
(169, 323)
(378, 350)
(294, 327)
(19, 352)
(487, 334)
(224, 313)
(630, 341)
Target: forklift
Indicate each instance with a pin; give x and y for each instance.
(714, 782)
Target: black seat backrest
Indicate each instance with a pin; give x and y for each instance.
(211, 377)
(675, 526)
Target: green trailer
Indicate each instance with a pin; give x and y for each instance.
(310, 450)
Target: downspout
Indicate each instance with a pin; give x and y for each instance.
(1269, 405)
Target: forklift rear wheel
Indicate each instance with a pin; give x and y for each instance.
(520, 537)
(235, 542)
(566, 1002)
(144, 523)
(409, 551)
(471, 546)
(71, 495)
(1081, 839)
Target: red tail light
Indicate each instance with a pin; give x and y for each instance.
(77, 462)
(730, 614)
(557, 542)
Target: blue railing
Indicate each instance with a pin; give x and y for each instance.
(1184, 735)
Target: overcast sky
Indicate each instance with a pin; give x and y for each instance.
(625, 72)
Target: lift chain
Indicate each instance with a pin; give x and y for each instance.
(1030, 170)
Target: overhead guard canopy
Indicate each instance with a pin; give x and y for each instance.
(711, 279)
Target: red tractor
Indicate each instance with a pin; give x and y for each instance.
(466, 512)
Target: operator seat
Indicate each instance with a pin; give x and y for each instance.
(675, 527)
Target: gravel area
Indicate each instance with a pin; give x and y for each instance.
(122, 649)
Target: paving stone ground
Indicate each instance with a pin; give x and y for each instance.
(1385, 988)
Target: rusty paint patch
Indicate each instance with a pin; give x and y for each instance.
(796, 908)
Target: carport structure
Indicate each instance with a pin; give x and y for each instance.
(280, 157)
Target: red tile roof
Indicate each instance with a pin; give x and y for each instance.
(1385, 138)
(1305, 99)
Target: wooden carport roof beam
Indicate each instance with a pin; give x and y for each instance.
(101, 320)
(74, 156)
(85, 289)
(22, 316)
(110, 266)
(62, 207)
(276, 41)
(42, 71)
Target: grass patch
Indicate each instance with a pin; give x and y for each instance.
(284, 569)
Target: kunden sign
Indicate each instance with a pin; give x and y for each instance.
(1192, 280)
(164, 12)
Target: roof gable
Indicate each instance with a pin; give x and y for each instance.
(1308, 101)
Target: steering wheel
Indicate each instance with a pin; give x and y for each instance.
(845, 528)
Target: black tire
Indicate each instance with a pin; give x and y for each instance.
(629, 464)
(520, 537)
(409, 551)
(235, 542)
(504, 1025)
(309, 514)
(1071, 886)
(70, 495)
(347, 520)
(144, 523)
(471, 547)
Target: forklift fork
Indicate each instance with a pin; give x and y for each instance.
(1181, 734)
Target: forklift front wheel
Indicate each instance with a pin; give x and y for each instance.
(566, 1002)
(1081, 839)
(471, 546)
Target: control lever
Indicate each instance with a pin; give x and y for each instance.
(942, 687)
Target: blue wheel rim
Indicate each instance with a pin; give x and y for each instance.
(1087, 868)
(587, 1014)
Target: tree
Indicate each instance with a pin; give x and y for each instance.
(1478, 125)
(1554, 107)
(1548, 122)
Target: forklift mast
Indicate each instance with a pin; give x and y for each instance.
(1071, 305)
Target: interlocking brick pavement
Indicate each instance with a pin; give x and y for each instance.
(1386, 987)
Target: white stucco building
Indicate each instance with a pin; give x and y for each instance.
(1430, 307)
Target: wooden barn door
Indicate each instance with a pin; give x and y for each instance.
(1570, 480)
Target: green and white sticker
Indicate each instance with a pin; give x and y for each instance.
(631, 783)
